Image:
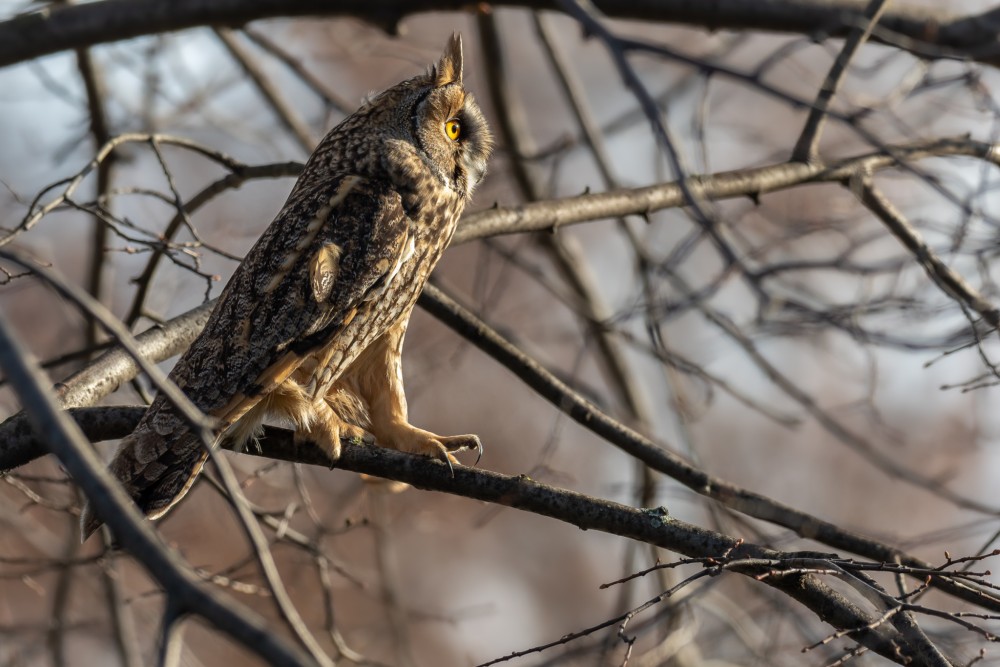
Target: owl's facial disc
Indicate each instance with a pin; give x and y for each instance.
(452, 136)
(475, 144)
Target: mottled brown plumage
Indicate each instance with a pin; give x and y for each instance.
(311, 325)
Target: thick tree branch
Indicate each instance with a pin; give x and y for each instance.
(549, 215)
(652, 526)
(927, 32)
(114, 367)
(105, 423)
(104, 375)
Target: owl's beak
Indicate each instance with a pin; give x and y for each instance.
(475, 171)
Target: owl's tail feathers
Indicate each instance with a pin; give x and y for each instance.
(155, 474)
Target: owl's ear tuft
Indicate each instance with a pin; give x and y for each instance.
(449, 68)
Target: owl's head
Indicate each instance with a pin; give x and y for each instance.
(438, 121)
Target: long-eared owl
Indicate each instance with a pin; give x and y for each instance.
(310, 327)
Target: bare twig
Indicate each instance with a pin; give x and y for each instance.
(807, 147)
(36, 212)
(329, 97)
(94, 85)
(230, 181)
(949, 280)
(287, 114)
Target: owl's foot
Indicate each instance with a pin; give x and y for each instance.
(406, 438)
(461, 443)
(327, 434)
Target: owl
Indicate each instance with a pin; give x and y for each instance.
(310, 327)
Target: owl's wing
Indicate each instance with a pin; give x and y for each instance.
(322, 259)
(328, 253)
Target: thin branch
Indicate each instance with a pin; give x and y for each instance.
(94, 85)
(753, 182)
(231, 181)
(592, 418)
(286, 114)
(135, 534)
(807, 147)
(36, 212)
(318, 86)
(125, 636)
(949, 280)
(572, 636)
(634, 399)
(863, 446)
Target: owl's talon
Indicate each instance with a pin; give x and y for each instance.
(440, 452)
(406, 438)
(460, 443)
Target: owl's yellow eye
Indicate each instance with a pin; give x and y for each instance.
(453, 129)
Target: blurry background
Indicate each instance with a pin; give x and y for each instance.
(788, 343)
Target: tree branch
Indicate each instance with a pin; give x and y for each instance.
(65, 439)
(927, 32)
(654, 526)
(104, 375)
(807, 147)
(552, 214)
(199, 423)
(104, 423)
(950, 281)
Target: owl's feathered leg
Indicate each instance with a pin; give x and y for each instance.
(315, 419)
(377, 376)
